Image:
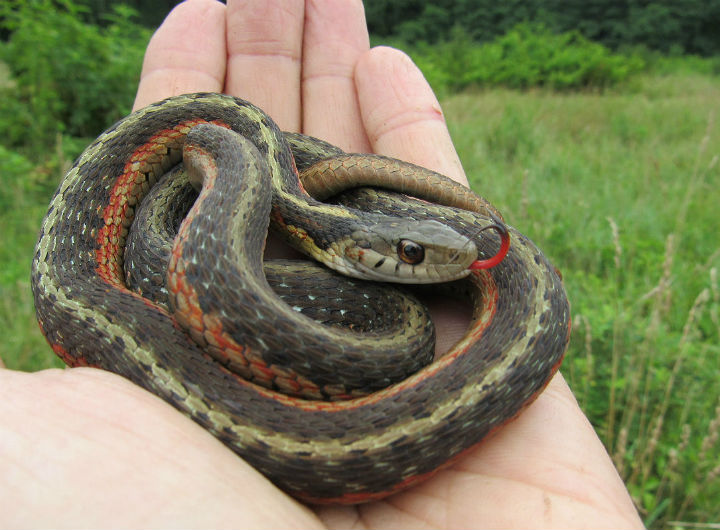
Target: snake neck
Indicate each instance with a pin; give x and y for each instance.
(353, 242)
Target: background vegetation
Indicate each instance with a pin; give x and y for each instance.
(605, 153)
(684, 26)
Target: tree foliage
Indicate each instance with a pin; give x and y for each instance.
(688, 26)
(63, 75)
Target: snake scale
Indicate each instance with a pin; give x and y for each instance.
(318, 439)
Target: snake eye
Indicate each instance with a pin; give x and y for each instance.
(410, 252)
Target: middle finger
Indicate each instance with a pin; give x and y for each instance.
(264, 43)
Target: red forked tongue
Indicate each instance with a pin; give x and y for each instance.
(502, 231)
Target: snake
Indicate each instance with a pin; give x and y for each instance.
(323, 440)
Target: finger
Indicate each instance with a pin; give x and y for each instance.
(335, 37)
(264, 40)
(401, 114)
(186, 53)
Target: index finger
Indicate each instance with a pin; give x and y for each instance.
(186, 53)
(402, 116)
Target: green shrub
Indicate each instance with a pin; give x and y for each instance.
(65, 76)
(527, 56)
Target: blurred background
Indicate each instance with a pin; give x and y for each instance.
(593, 126)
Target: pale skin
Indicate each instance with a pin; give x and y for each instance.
(86, 448)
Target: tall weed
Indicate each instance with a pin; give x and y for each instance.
(621, 191)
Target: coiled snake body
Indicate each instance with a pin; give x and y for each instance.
(368, 441)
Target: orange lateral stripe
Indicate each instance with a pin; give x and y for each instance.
(129, 187)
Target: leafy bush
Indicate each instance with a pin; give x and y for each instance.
(66, 76)
(527, 56)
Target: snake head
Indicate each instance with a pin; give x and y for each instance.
(405, 251)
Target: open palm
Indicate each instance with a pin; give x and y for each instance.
(86, 448)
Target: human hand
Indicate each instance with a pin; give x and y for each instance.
(84, 447)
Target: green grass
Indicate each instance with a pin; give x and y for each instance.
(25, 191)
(621, 190)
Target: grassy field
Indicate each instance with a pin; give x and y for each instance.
(621, 190)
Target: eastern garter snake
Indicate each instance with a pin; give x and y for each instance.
(354, 450)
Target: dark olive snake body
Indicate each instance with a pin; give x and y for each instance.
(368, 442)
